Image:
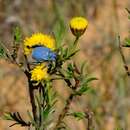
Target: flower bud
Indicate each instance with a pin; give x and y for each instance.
(78, 26)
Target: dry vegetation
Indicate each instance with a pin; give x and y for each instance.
(110, 100)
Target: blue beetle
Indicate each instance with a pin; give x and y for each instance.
(41, 53)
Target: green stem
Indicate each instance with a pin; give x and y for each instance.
(76, 41)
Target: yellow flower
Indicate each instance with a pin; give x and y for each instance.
(38, 39)
(39, 73)
(78, 26)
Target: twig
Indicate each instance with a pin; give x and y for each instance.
(89, 119)
(66, 80)
(32, 100)
(7, 52)
(31, 89)
(66, 108)
(64, 111)
(128, 10)
(9, 55)
(27, 63)
(123, 57)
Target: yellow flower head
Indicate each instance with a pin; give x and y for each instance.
(78, 26)
(39, 73)
(38, 39)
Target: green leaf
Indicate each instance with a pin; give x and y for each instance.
(70, 67)
(65, 52)
(90, 79)
(73, 53)
(59, 32)
(7, 116)
(84, 85)
(31, 117)
(83, 90)
(59, 28)
(127, 42)
(48, 100)
(47, 112)
(70, 71)
(17, 118)
(83, 65)
(87, 80)
(70, 53)
(78, 115)
(17, 34)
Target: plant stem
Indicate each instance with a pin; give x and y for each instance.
(76, 41)
(123, 57)
(68, 102)
(32, 100)
(64, 111)
(89, 119)
(31, 90)
(66, 80)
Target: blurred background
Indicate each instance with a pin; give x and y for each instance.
(110, 100)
